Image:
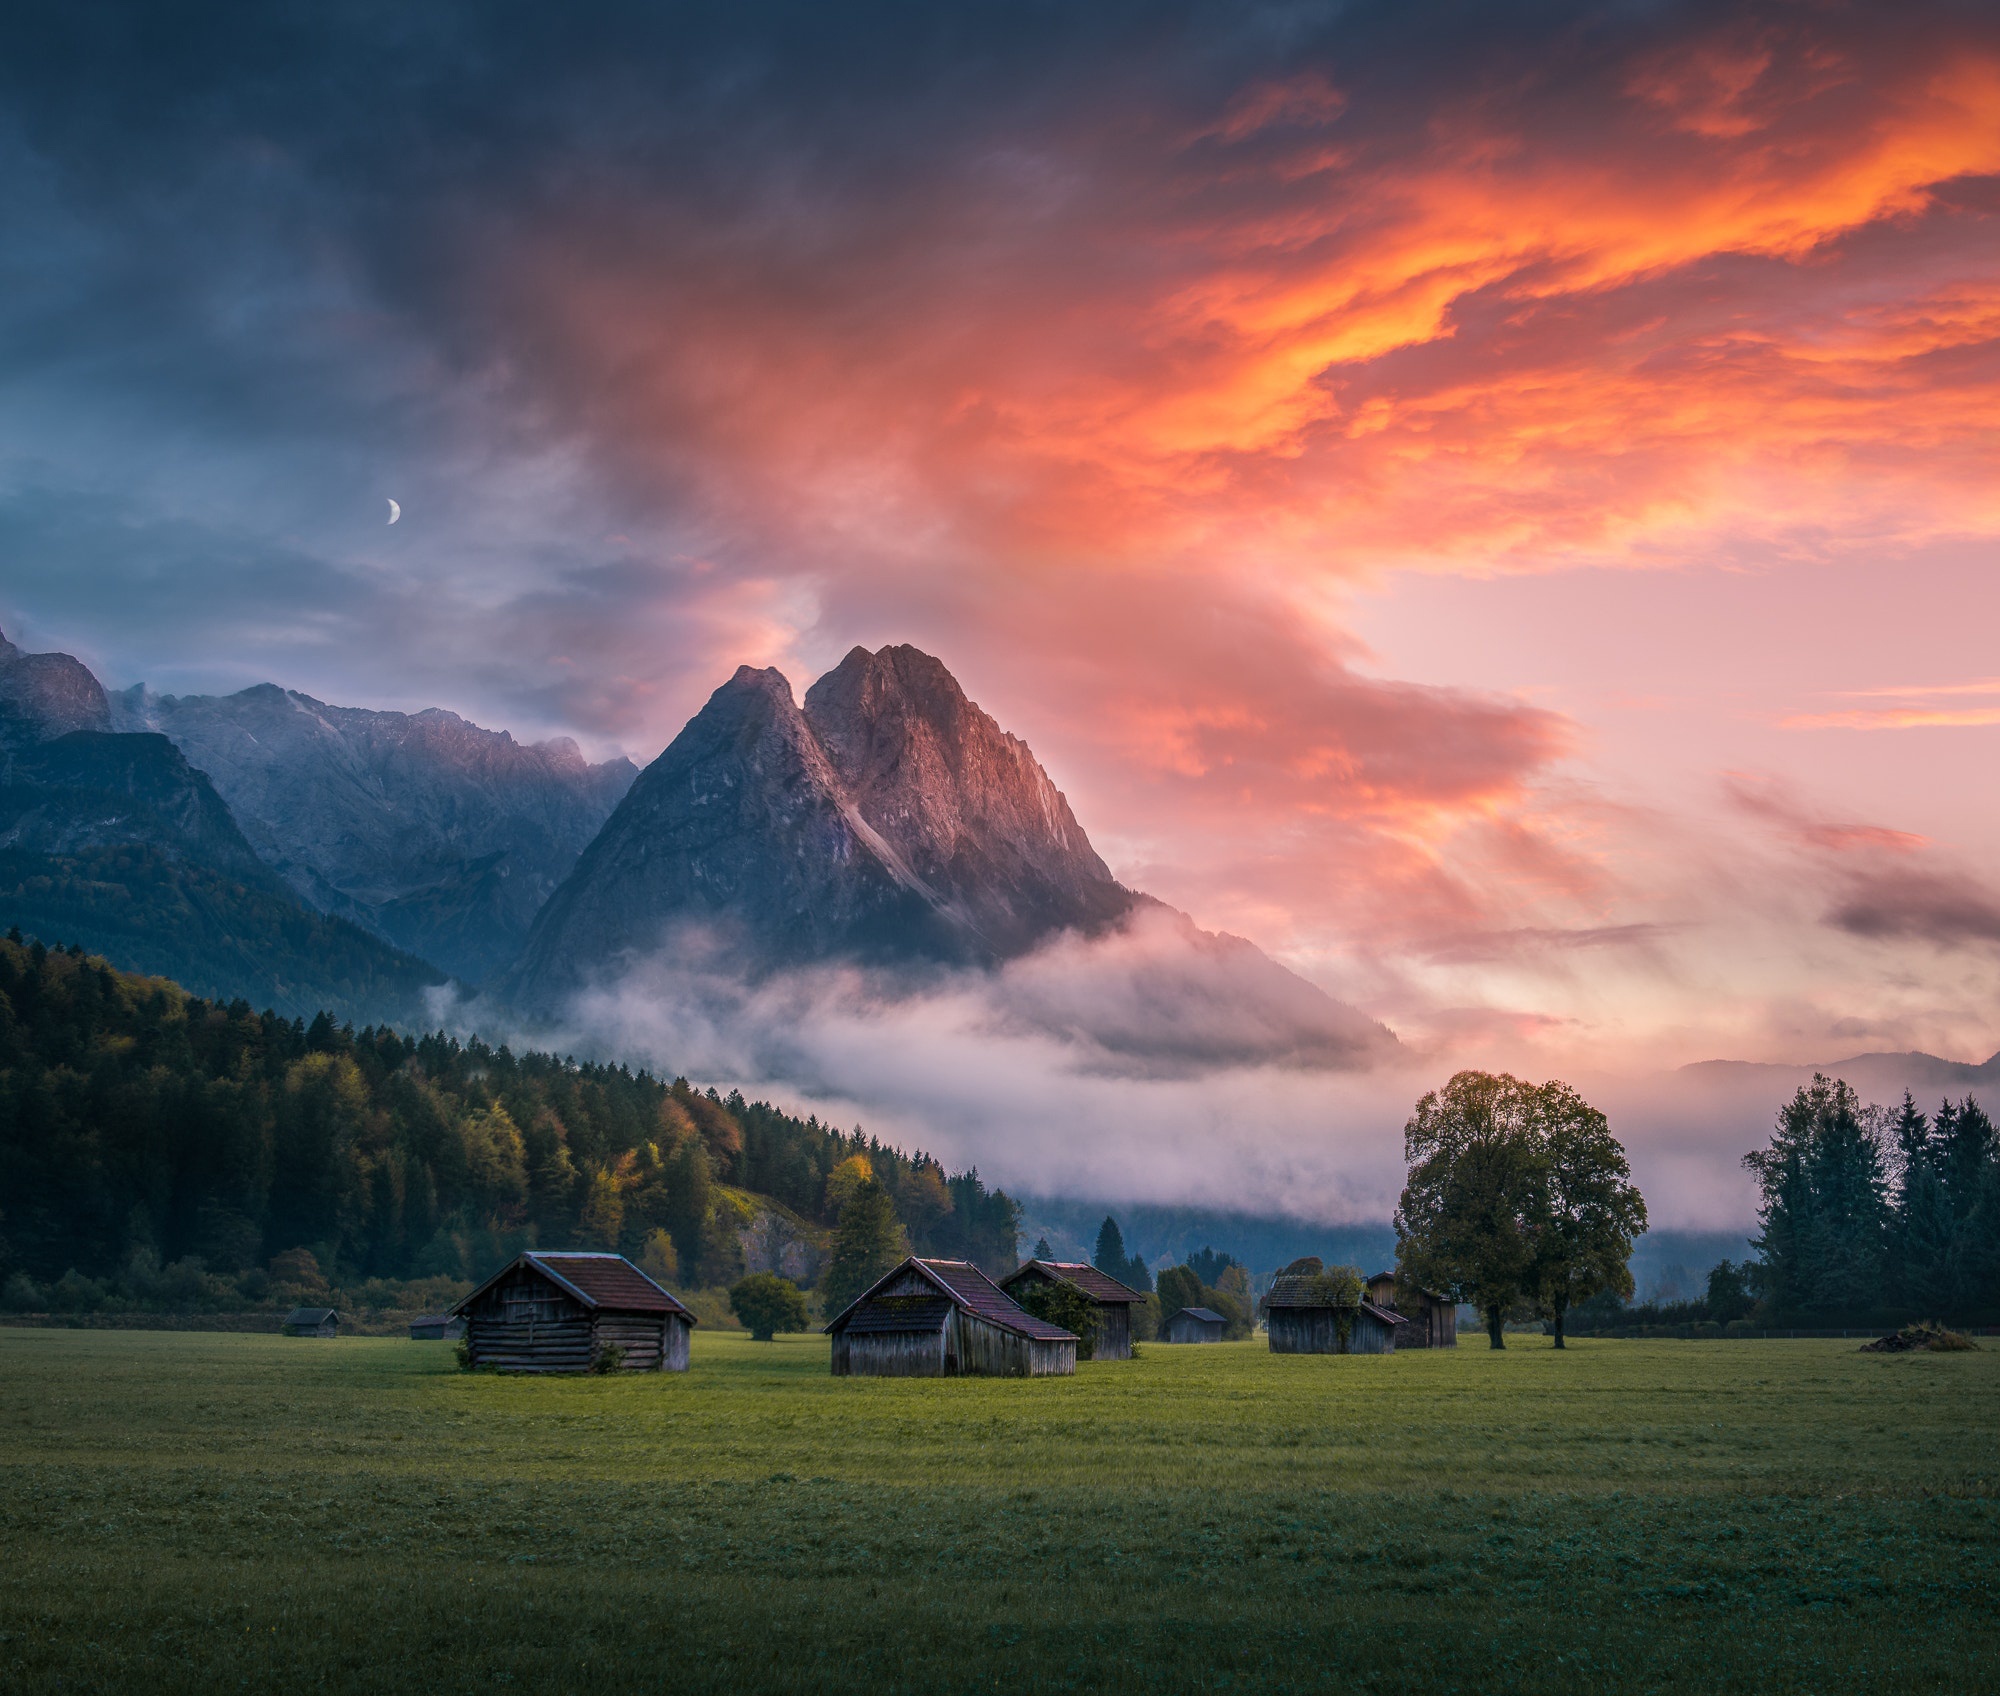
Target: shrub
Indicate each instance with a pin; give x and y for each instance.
(1927, 1335)
(607, 1359)
(767, 1304)
(1069, 1307)
(23, 1295)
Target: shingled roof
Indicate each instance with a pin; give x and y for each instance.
(599, 1281)
(1099, 1286)
(964, 1286)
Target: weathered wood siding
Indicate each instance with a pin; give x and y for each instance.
(1114, 1331)
(1184, 1329)
(1432, 1324)
(1314, 1330)
(980, 1349)
(889, 1354)
(527, 1324)
(963, 1344)
(653, 1342)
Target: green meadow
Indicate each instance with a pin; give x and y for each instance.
(200, 1512)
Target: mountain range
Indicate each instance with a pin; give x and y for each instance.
(884, 823)
(439, 837)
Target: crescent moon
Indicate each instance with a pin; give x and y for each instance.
(395, 512)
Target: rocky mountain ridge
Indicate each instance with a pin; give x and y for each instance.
(115, 842)
(887, 821)
(441, 837)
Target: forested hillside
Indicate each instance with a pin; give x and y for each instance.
(152, 1140)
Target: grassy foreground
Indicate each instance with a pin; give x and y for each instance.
(189, 1512)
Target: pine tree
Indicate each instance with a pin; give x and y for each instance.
(1110, 1258)
(867, 1244)
(1825, 1213)
(1042, 1250)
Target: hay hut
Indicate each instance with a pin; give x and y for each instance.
(567, 1312)
(436, 1327)
(1194, 1325)
(1433, 1319)
(1114, 1301)
(942, 1319)
(312, 1322)
(1302, 1317)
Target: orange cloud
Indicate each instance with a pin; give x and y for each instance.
(1113, 413)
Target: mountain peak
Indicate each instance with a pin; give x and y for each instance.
(887, 819)
(47, 695)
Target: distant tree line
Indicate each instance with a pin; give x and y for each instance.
(153, 1143)
(1866, 1215)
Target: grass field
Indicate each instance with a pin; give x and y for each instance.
(188, 1512)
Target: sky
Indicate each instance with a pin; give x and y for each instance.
(1494, 503)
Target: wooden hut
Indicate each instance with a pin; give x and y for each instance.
(436, 1327)
(1301, 1318)
(1193, 1325)
(567, 1312)
(1114, 1301)
(312, 1322)
(1433, 1319)
(944, 1318)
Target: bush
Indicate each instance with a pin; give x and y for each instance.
(1069, 1307)
(74, 1293)
(607, 1359)
(1926, 1335)
(767, 1304)
(23, 1295)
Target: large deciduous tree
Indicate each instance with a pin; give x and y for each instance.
(1466, 1223)
(1586, 1210)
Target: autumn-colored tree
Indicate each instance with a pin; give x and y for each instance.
(867, 1243)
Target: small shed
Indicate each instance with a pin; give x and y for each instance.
(436, 1327)
(1433, 1319)
(1114, 1301)
(1193, 1325)
(943, 1319)
(1301, 1319)
(550, 1312)
(312, 1322)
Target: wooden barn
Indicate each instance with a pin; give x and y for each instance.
(1114, 1301)
(1301, 1319)
(312, 1322)
(1193, 1325)
(436, 1328)
(942, 1319)
(1433, 1319)
(566, 1312)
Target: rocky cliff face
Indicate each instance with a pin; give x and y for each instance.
(47, 695)
(743, 831)
(439, 836)
(965, 806)
(888, 821)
